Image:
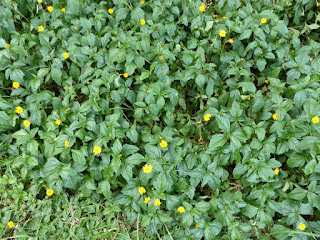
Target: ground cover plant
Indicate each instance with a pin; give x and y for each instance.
(162, 119)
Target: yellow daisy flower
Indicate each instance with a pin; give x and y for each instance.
(222, 33)
(157, 202)
(58, 122)
(19, 110)
(302, 226)
(10, 224)
(163, 144)
(147, 168)
(96, 150)
(181, 209)
(275, 116)
(49, 192)
(50, 8)
(315, 120)
(207, 117)
(142, 22)
(66, 55)
(26, 123)
(142, 190)
(15, 84)
(40, 28)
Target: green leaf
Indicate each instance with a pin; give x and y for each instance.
(160, 182)
(32, 161)
(246, 34)
(78, 157)
(73, 7)
(223, 122)
(152, 151)
(218, 140)
(261, 64)
(247, 86)
(56, 75)
(144, 75)
(209, 25)
(298, 194)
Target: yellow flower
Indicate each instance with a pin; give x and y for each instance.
(58, 122)
(52, 31)
(224, 17)
(19, 110)
(266, 81)
(110, 10)
(63, 10)
(127, 25)
(66, 55)
(15, 85)
(276, 171)
(66, 143)
(143, 22)
(88, 65)
(181, 209)
(144, 90)
(26, 123)
(8, 45)
(157, 202)
(49, 192)
(40, 28)
(126, 75)
(75, 27)
(318, 4)
(263, 20)
(302, 226)
(202, 8)
(230, 41)
(222, 33)
(147, 168)
(96, 150)
(275, 116)
(197, 225)
(163, 144)
(142, 1)
(142, 190)
(147, 199)
(9, 0)
(10, 224)
(39, 1)
(161, 58)
(50, 8)
(88, 82)
(315, 120)
(207, 117)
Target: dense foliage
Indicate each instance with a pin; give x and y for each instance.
(196, 119)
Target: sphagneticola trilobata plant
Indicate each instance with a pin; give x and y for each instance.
(199, 120)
